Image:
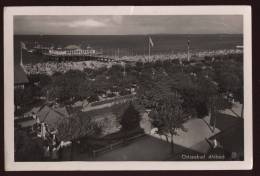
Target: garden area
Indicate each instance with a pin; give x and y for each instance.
(173, 92)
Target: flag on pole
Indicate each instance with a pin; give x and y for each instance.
(23, 45)
(188, 47)
(151, 42)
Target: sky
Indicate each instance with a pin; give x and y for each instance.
(128, 24)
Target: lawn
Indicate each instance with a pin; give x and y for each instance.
(145, 148)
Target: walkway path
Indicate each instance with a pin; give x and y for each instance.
(106, 105)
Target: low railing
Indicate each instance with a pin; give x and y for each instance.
(114, 145)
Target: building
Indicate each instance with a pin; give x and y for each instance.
(52, 116)
(20, 77)
(72, 50)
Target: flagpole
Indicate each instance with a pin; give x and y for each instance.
(21, 61)
(149, 50)
(124, 70)
(188, 47)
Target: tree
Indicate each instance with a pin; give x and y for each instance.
(23, 98)
(42, 79)
(130, 119)
(84, 90)
(66, 86)
(229, 75)
(152, 90)
(210, 96)
(187, 86)
(168, 117)
(118, 110)
(75, 127)
(215, 103)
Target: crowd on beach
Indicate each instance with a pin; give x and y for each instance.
(52, 67)
(181, 55)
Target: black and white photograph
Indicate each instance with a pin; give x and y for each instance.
(149, 85)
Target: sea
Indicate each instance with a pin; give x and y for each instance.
(125, 45)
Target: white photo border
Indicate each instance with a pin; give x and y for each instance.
(11, 165)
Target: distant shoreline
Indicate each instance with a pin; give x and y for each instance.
(115, 46)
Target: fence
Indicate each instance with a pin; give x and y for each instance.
(115, 145)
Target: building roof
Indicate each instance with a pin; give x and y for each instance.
(72, 47)
(52, 116)
(19, 75)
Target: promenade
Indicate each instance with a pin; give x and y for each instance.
(51, 67)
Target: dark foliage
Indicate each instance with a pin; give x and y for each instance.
(130, 119)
